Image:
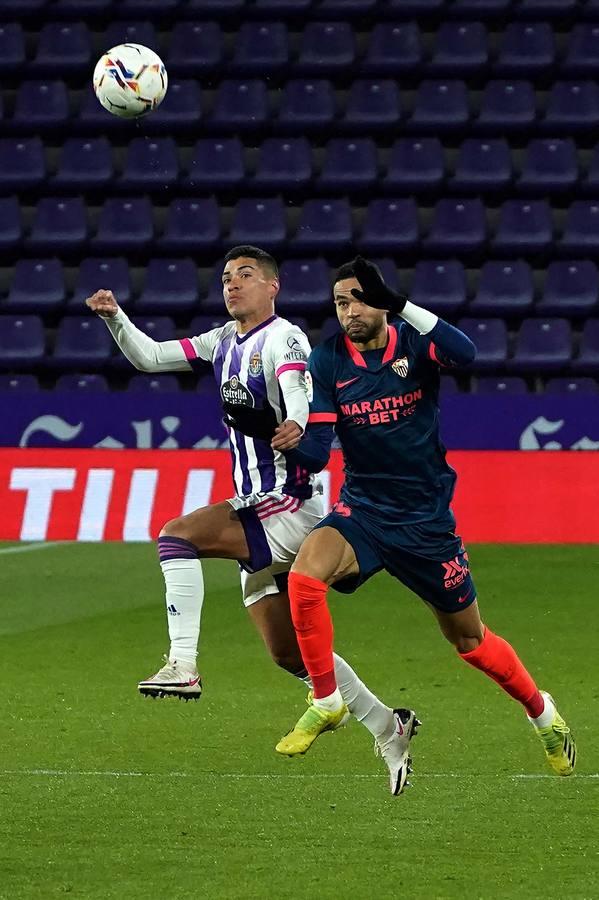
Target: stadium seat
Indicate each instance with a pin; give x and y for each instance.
(460, 48)
(506, 384)
(305, 287)
(154, 384)
(588, 354)
(124, 224)
(415, 164)
(283, 7)
(11, 225)
(348, 165)
(147, 7)
(41, 104)
(84, 163)
(372, 104)
(323, 224)
(571, 288)
(504, 289)
(191, 225)
(283, 164)
(345, 7)
(22, 163)
(171, 286)
(73, 8)
(261, 48)
(240, 105)
(37, 286)
(582, 54)
(22, 7)
(259, 221)
(389, 226)
(590, 183)
(549, 165)
(213, 7)
(523, 226)
(181, 108)
(330, 328)
(93, 275)
(482, 165)
(440, 105)
(393, 8)
(458, 226)
(22, 340)
(545, 7)
(490, 338)
(131, 33)
(542, 345)
(439, 286)
(581, 229)
(12, 47)
(81, 343)
(216, 163)
(572, 386)
(59, 225)
(393, 48)
(194, 48)
(73, 381)
(150, 164)
(572, 105)
(306, 104)
(202, 324)
(526, 48)
(63, 48)
(325, 47)
(18, 382)
(507, 105)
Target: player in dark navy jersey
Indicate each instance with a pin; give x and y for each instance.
(376, 385)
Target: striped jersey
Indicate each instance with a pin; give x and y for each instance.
(247, 368)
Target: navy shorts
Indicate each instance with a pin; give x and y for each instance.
(426, 557)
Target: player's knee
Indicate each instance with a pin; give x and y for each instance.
(465, 643)
(290, 662)
(174, 528)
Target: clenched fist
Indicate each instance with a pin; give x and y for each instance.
(103, 303)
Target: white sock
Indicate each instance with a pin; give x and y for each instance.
(362, 703)
(331, 703)
(184, 598)
(546, 717)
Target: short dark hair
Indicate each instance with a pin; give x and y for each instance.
(344, 271)
(264, 259)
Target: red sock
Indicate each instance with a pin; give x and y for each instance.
(314, 630)
(498, 659)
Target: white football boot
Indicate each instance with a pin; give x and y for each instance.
(173, 680)
(395, 750)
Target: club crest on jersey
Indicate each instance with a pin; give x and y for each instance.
(255, 366)
(233, 391)
(400, 366)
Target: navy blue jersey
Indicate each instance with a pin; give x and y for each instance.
(384, 407)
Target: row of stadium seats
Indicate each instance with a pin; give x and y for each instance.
(194, 48)
(389, 226)
(248, 105)
(545, 165)
(539, 346)
(178, 287)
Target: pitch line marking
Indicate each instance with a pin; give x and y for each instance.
(25, 548)
(58, 773)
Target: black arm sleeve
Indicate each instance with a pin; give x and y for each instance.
(314, 449)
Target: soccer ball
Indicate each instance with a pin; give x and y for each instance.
(130, 80)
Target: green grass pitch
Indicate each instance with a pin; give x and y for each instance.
(106, 795)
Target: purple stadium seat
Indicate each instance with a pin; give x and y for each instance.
(482, 165)
(460, 48)
(546, 7)
(307, 103)
(549, 165)
(389, 226)
(490, 339)
(124, 224)
(582, 55)
(12, 46)
(480, 8)
(171, 286)
(11, 225)
(508, 384)
(372, 104)
(159, 328)
(63, 48)
(59, 224)
(504, 289)
(581, 229)
(261, 48)
(590, 183)
(21, 7)
(213, 7)
(147, 7)
(326, 47)
(240, 105)
(572, 105)
(330, 328)
(524, 225)
(216, 163)
(323, 224)
(37, 286)
(22, 342)
(526, 48)
(440, 105)
(202, 324)
(507, 104)
(393, 8)
(283, 7)
(345, 7)
(194, 48)
(84, 163)
(73, 8)
(92, 384)
(458, 226)
(154, 384)
(94, 274)
(25, 383)
(283, 163)
(131, 33)
(213, 304)
(41, 104)
(393, 47)
(22, 163)
(81, 343)
(181, 108)
(191, 225)
(571, 288)
(388, 270)
(572, 386)
(259, 221)
(542, 345)
(415, 164)
(150, 164)
(439, 286)
(349, 164)
(305, 287)
(588, 354)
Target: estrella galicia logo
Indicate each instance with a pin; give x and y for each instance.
(233, 391)
(255, 366)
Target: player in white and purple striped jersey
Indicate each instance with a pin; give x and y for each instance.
(259, 361)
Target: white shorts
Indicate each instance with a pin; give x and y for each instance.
(275, 526)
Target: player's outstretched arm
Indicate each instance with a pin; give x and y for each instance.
(144, 353)
(314, 449)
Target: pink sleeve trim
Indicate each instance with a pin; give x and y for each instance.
(432, 352)
(322, 417)
(188, 348)
(291, 367)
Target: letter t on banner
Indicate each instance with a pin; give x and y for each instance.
(40, 485)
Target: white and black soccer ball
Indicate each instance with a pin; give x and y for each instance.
(130, 80)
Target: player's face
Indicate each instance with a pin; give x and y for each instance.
(248, 289)
(360, 322)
